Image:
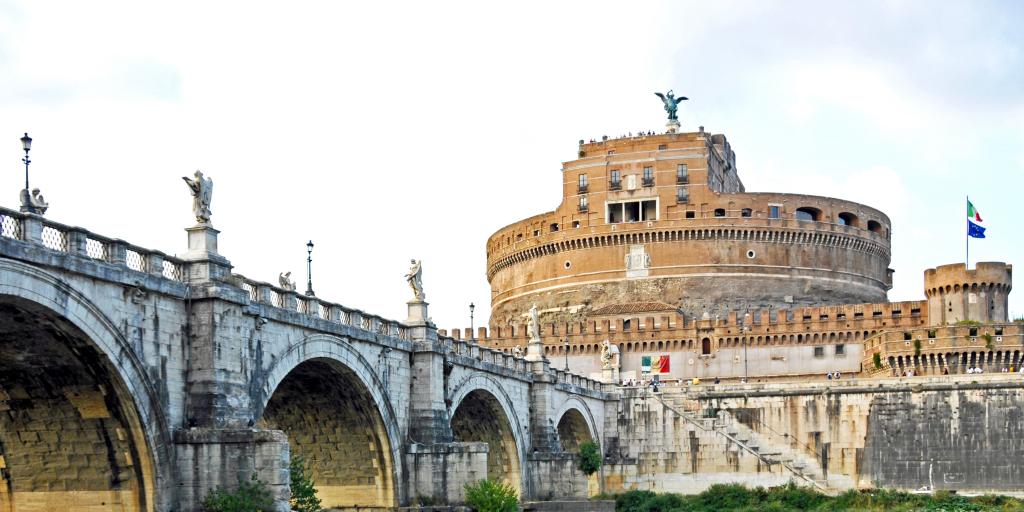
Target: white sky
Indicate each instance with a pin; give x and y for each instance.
(385, 132)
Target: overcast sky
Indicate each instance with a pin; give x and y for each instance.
(385, 132)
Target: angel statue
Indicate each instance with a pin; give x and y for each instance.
(533, 329)
(284, 280)
(202, 191)
(671, 103)
(609, 355)
(415, 279)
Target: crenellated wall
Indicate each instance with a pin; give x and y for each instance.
(955, 293)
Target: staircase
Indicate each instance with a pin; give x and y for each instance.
(803, 468)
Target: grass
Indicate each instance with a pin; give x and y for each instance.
(734, 497)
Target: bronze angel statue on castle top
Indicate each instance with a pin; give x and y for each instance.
(671, 103)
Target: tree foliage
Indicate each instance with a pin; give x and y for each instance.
(303, 492)
(590, 458)
(491, 496)
(251, 496)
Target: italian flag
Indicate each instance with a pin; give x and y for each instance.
(972, 212)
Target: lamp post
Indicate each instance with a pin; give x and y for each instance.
(309, 269)
(26, 195)
(566, 345)
(472, 307)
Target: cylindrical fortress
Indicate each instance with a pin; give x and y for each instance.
(665, 218)
(955, 293)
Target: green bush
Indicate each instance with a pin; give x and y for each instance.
(590, 458)
(792, 498)
(917, 347)
(491, 496)
(251, 496)
(877, 359)
(303, 493)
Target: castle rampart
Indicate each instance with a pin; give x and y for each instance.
(956, 294)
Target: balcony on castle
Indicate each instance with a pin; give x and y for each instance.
(582, 189)
(649, 182)
(615, 185)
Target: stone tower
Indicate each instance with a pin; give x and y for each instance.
(955, 293)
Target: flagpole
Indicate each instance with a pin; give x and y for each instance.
(967, 239)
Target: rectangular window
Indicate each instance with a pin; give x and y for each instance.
(649, 209)
(773, 211)
(648, 176)
(632, 211)
(690, 214)
(584, 204)
(840, 349)
(662, 146)
(554, 227)
(616, 181)
(614, 213)
(819, 351)
(682, 174)
(682, 195)
(583, 184)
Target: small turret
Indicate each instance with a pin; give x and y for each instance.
(955, 293)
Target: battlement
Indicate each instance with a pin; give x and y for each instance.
(800, 325)
(957, 293)
(939, 349)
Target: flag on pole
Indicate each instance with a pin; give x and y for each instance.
(974, 230)
(972, 212)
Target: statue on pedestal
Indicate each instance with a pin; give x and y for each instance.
(609, 355)
(517, 351)
(415, 279)
(284, 280)
(33, 202)
(202, 192)
(533, 329)
(671, 103)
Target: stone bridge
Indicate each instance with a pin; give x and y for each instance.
(134, 380)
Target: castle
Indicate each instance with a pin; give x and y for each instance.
(658, 248)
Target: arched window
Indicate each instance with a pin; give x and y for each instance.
(807, 213)
(705, 346)
(848, 219)
(875, 226)
(719, 212)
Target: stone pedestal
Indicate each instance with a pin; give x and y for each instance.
(205, 264)
(417, 313)
(535, 349)
(672, 126)
(610, 375)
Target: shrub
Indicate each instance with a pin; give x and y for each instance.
(251, 496)
(490, 496)
(917, 347)
(633, 501)
(303, 493)
(590, 458)
(877, 359)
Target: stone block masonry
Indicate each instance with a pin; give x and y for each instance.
(131, 380)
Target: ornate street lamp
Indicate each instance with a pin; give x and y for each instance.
(309, 269)
(26, 195)
(472, 307)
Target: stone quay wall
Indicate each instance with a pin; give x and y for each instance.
(963, 433)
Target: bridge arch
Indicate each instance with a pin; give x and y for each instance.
(325, 395)
(73, 383)
(575, 423)
(480, 395)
